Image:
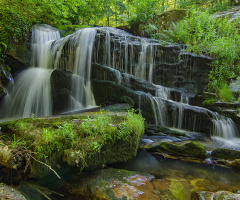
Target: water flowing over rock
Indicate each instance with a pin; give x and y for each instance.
(133, 70)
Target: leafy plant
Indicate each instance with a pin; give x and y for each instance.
(226, 94)
(14, 142)
(217, 37)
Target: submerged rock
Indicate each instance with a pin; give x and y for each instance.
(226, 157)
(226, 154)
(7, 192)
(220, 195)
(192, 148)
(113, 184)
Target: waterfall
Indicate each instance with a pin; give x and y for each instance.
(170, 106)
(30, 93)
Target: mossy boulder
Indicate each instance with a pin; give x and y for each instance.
(164, 21)
(86, 140)
(193, 149)
(225, 154)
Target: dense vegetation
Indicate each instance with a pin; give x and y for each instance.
(200, 31)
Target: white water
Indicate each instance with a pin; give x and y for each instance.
(31, 91)
(179, 117)
(29, 94)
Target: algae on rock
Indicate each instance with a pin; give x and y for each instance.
(191, 148)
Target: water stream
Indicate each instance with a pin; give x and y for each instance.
(30, 93)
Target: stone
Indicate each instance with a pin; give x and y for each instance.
(86, 140)
(7, 192)
(226, 154)
(61, 89)
(113, 184)
(220, 195)
(192, 148)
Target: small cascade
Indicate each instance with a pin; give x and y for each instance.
(170, 106)
(42, 38)
(81, 84)
(30, 93)
(7, 74)
(224, 127)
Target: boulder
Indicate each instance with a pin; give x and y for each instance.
(61, 89)
(114, 184)
(86, 140)
(220, 195)
(192, 148)
(225, 154)
(7, 192)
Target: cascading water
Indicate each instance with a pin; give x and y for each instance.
(30, 93)
(168, 110)
(32, 89)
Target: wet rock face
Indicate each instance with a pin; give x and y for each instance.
(163, 64)
(18, 58)
(61, 89)
(2, 90)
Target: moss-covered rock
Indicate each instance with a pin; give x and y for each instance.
(235, 163)
(226, 154)
(165, 20)
(86, 140)
(192, 148)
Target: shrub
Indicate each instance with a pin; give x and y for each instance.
(226, 94)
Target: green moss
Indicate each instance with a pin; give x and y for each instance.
(178, 190)
(236, 163)
(192, 148)
(226, 154)
(85, 140)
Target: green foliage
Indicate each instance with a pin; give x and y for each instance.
(14, 142)
(218, 37)
(209, 102)
(95, 126)
(54, 141)
(226, 94)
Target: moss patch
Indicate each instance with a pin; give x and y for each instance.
(226, 154)
(86, 140)
(192, 148)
